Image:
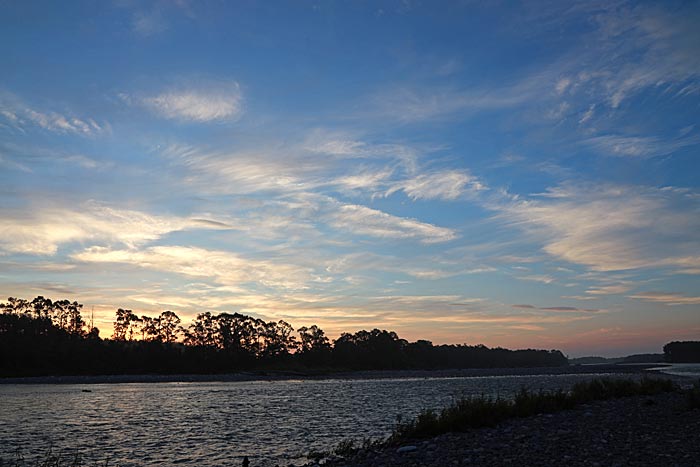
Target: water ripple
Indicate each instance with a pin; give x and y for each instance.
(216, 424)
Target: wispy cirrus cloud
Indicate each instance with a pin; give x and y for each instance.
(542, 278)
(20, 116)
(41, 231)
(224, 267)
(153, 18)
(148, 23)
(28, 158)
(631, 47)
(215, 102)
(305, 167)
(420, 267)
(614, 289)
(667, 298)
(362, 220)
(416, 104)
(244, 171)
(297, 183)
(444, 184)
(345, 145)
(608, 227)
(641, 146)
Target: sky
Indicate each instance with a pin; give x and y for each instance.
(524, 175)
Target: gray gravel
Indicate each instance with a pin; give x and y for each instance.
(634, 431)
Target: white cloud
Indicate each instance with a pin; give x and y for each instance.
(608, 289)
(41, 231)
(342, 145)
(543, 278)
(559, 112)
(587, 115)
(222, 266)
(414, 104)
(26, 158)
(21, 116)
(611, 227)
(366, 180)
(218, 103)
(421, 267)
(640, 146)
(296, 184)
(306, 166)
(667, 298)
(366, 221)
(638, 47)
(243, 172)
(148, 23)
(562, 84)
(345, 148)
(446, 185)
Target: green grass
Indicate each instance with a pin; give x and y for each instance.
(482, 411)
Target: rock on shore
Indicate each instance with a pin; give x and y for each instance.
(635, 431)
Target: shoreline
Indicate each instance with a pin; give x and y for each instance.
(636, 430)
(276, 375)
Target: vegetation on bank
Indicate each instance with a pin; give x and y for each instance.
(46, 337)
(70, 458)
(482, 411)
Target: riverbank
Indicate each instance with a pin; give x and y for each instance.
(320, 375)
(630, 431)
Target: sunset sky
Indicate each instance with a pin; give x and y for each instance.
(463, 172)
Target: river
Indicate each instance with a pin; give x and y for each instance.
(216, 424)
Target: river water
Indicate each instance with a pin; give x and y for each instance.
(216, 424)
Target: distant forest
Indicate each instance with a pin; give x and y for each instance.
(46, 337)
(682, 352)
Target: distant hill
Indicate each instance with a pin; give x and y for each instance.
(644, 358)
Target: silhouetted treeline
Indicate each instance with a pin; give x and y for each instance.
(43, 337)
(682, 352)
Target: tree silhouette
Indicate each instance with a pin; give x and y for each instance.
(203, 331)
(312, 339)
(169, 324)
(682, 352)
(278, 339)
(42, 336)
(125, 325)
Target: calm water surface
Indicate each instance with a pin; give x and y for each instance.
(216, 424)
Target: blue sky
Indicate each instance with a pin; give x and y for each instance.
(523, 175)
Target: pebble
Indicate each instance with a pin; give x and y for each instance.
(404, 449)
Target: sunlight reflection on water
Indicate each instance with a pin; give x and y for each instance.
(216, 424)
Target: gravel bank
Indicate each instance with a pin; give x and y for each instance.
(635, 431)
